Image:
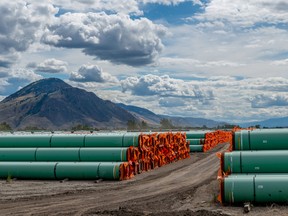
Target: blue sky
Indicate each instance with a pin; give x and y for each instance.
(218, 59)
(172, 14)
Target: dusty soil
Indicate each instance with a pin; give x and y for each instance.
(187, 187)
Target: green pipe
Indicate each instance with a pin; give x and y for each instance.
(196, 148)
(130, 139)
(23, 141)
(17, 154)
(256, 161)
(238, 189)
(266, 139)
(195, 141)
(112, 140)
(103, 154)
(60, 170)
(255, 188)
(67, 140)
(104, 140)
(76, 170)
(57, 154)
(109, 171)
(88, 170)
(63, 154)
(71, 140)
(27, 170)
(195, 134)
(57, 140)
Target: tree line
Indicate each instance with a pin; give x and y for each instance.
(134, 125)
(131, 125)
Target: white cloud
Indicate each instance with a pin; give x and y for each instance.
(116, 38)
(116, 6)
(264, 101)
(178, 62)
(8, 59)
(3, 86)
(92, 73)
(170, 2)
(246, 13)
(16, 78)
(171, 102)
(232, 97)
(280, 62)
(23, 75)
(21, 23)
(165, 86)
(49, 66)
(250, 53)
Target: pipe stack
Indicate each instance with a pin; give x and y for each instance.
(212, 139)
(158, 149)
(202, 141)
(88, 156)
(257, 169)
(196, 140)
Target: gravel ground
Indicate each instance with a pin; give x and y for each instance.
(187, 187)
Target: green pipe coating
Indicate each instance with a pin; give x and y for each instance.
(195, 141)
(63, 154)
(27, 170)
(256, 161)
(256, 188)
(24, 141)
(196, 148)
(87, 170)
(195, 134)
(17, 154)
(69, 140)
(265, 139)
(56, 154)
(103, 154)
(60, 170)
(112, 140)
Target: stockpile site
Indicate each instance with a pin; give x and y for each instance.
(157, 173)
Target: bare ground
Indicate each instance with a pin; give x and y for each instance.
(187, 187)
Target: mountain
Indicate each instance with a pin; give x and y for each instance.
(193, 122)
(53, 104)
(154, 119)
(142, 114)
(273, 122)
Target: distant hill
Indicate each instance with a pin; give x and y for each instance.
(142, 114)
(273, 122)
(154, 119)
(193, 122)
(53, 104)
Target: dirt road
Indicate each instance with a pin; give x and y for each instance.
(187, 187)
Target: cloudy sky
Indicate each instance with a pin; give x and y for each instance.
(219, 59)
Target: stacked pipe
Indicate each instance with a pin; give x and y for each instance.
(84, 156)
(196, 140)
(212, 139)
(202, 141)
(81, 156)
(156, 150)
(257, 169)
